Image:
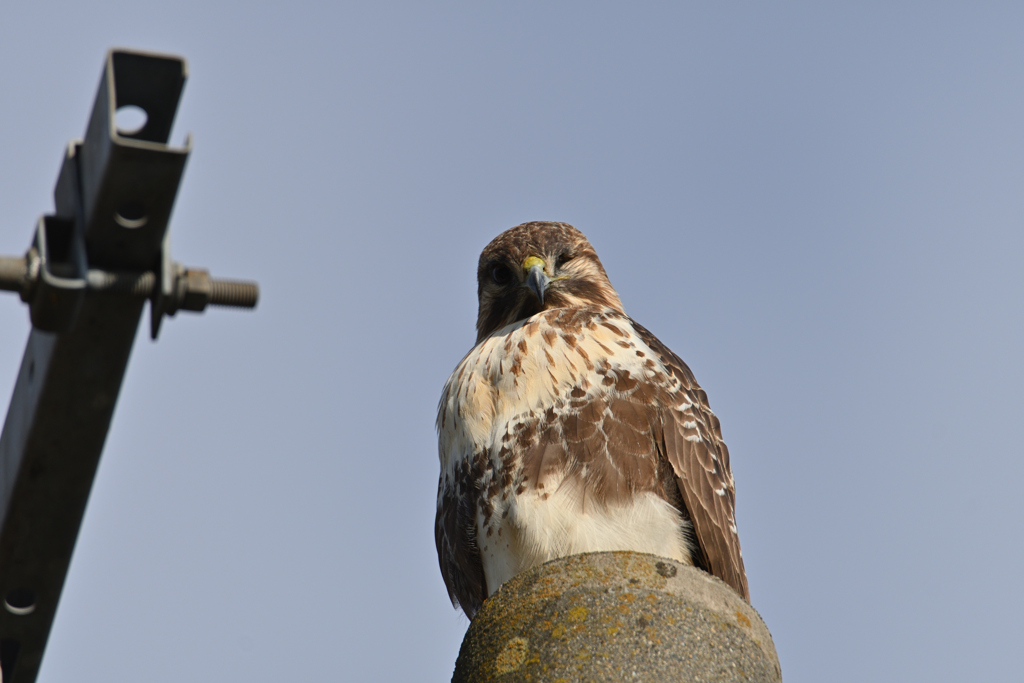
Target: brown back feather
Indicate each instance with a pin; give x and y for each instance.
(701, 468)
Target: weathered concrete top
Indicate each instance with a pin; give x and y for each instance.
(615, 617)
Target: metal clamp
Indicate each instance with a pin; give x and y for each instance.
(54, 287)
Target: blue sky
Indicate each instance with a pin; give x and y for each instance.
(819, 209)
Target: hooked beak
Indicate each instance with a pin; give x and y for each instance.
(536, 279)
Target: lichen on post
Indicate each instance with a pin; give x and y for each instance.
(612, 617)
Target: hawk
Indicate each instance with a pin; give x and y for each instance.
(569, 428)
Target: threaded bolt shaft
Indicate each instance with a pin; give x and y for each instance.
(234, 293)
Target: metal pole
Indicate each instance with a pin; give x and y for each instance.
(87, 276)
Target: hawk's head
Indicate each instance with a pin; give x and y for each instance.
(536, 266)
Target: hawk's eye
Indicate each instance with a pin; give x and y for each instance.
(501, 274)
(563, 259)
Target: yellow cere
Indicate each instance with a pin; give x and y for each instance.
(533, 261)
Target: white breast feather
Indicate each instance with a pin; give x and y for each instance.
(483, 400)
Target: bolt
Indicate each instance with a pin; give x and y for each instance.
(193, 289)
(234, 293)
(13, 273)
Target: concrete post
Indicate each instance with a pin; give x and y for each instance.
(616, 617)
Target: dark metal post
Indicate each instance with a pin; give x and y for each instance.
(86, 278)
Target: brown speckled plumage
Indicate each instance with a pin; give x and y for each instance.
(570, 428)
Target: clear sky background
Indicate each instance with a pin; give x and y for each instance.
(820, 210)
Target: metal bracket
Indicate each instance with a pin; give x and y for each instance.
(56, 288)
(90, 268)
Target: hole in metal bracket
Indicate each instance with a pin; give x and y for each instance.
(130, 119)
(131, 215)
(20, 601)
